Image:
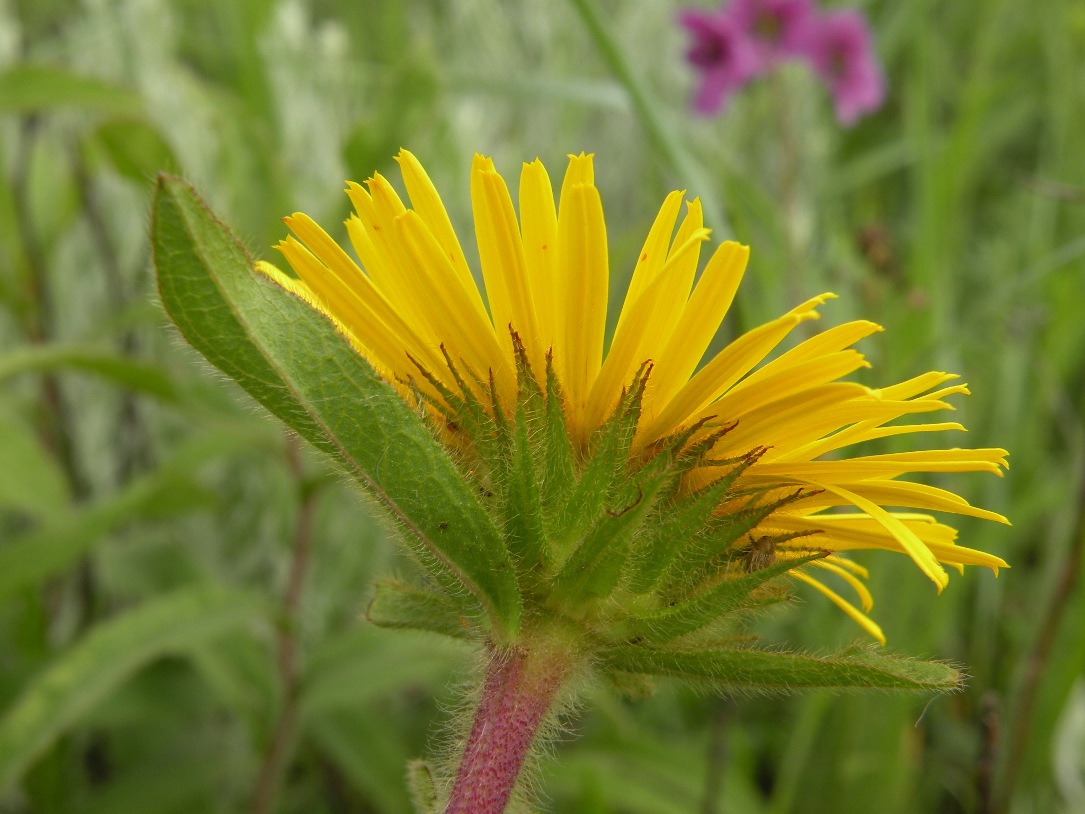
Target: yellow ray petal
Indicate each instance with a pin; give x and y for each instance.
(582, 259)
(427, 203)
(581, 170)
(653, 254)
(914, 547)
(680, 268)
(796, 414)
(905, 495)
(370, 235)
(849, 565)
(864, 406)
(701, 318)
(380, 329)
(648, 319)
(539, 234)
(300, 290)
(864, 621)
(989, 459)
(466, 331)
(742, 399)
(860, 589)
(729, 365)
(866, 431)
(876, 466)
(828, 341)
(504, 268)
(916, 385)
(854, 532)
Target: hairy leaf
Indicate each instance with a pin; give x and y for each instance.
(857, 668)
(293, 361)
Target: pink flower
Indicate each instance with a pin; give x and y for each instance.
(777, 29)
(840, 49)
(723, 55)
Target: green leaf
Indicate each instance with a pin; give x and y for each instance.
(135, 148)
(638, 773)
(729, 595)
(857, 668)
(368, 746)
(398, 605)
(57, 544)
(117, 369)
(30, 479)
(422, 786)
(28, 88)
(355, 668)
(96, 665)
(172, 780)
(293, 361)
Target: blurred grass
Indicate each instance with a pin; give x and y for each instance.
(955, 217)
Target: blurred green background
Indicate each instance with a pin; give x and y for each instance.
(182, 585)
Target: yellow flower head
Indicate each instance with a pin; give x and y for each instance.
(409, 303)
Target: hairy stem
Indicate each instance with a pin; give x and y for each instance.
(518, 691)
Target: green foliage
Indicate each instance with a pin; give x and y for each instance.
(741, 670)
(396, 604)
(31, 481)
(135, 148)
(29, 88)
(89, 671)
(111, 366)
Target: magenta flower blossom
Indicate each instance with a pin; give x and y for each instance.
(776, 29)
(748, 38)
(839, 46)
(721, 52)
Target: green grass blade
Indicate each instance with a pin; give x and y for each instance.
(112, 652)
(28, 88)
(106, 364)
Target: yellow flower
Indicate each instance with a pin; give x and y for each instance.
(410, 298)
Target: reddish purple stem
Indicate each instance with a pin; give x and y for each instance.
(516, 695)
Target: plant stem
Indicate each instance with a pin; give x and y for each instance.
(518, 691)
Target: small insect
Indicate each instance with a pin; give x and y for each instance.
(761, 554)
